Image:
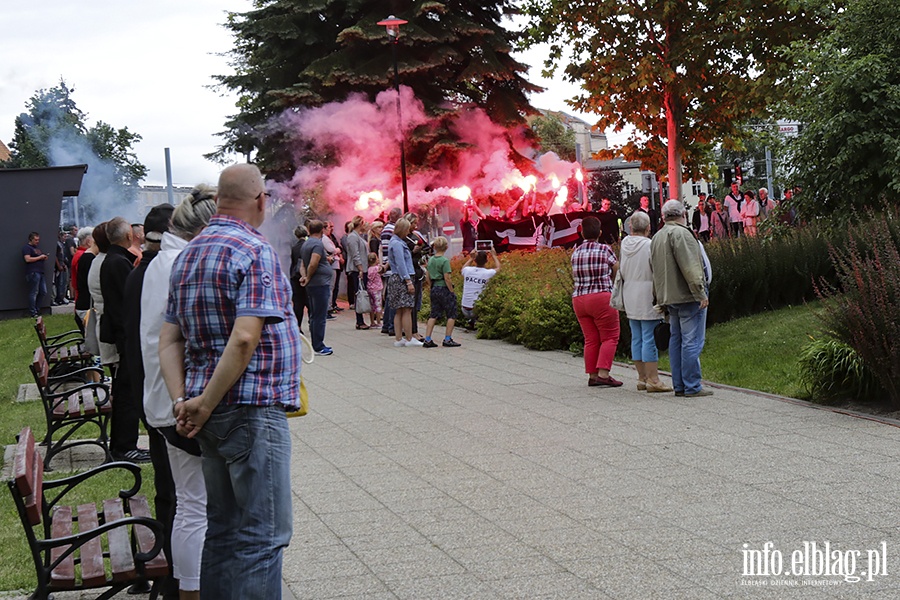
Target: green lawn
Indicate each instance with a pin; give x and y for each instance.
(759, 352)
(18, 343)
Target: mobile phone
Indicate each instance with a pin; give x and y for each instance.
(486, 245)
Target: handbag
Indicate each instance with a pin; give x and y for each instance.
(661, 334)
(617, 298)
(306, 350)
(363, 305)
(91, 343)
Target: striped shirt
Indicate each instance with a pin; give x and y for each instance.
(592, 264)
(226, 272)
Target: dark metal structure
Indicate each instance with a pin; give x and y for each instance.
(30, 200)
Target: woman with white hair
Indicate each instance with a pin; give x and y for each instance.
(189, 529)
(637, 292)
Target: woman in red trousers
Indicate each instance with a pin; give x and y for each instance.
(594, 267)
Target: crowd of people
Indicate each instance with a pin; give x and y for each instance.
(392, 263)
(662, 274)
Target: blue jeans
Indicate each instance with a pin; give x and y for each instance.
(643, 345)
(246, 466)
(688, 323)
(37, 289)
(318, 298)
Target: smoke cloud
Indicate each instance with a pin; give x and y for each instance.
(361, 139)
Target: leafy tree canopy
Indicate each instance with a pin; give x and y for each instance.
(553, 136)
(684, 74)
(848, 152)
(53, 132)
(289, 55)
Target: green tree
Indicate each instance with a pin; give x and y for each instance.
(684, 74)
(289, 55)
(848, 152)
(53, 132)
(553, 136)
(608, 183)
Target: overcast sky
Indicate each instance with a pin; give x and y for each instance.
(145, 66)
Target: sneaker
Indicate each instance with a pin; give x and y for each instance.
(451, 344)
(136, 456)
(400, 343)
(679, 394)
(326, 351)
(699, 394)
(329, 317)
(429, 344)
(414, 342)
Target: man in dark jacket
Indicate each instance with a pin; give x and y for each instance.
(126, 412)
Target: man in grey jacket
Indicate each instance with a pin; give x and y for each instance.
(680, 284)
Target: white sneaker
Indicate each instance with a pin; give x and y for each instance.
(400, 343)
(414, 342)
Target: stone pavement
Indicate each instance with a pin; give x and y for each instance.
(491, 472)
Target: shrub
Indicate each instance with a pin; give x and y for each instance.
(865, 311)
(831, 370)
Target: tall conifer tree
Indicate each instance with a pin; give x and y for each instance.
(293, 54)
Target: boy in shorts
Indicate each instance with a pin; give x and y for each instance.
(443, 299)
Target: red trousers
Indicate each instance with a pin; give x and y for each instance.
(600, 325)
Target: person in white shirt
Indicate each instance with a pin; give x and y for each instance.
(474, 280)
(733, 203)
(750, 213)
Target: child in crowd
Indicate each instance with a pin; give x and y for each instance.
(443, 299)
(375, 287)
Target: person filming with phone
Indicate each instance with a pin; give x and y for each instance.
(475, 278)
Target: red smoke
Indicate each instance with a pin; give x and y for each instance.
(362, 137)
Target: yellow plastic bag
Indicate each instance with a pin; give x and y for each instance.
(304, 392)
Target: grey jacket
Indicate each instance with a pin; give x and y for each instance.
(677, 266)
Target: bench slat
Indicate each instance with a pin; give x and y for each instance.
(120, 556)
(63, 576)
(33, 501)
(74, 401)
(23, 464)
(159, 565)
(87, 401)
(93, 572)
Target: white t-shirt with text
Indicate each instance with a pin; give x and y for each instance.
(474, 280)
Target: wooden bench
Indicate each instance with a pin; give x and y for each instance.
(70, 404)
(64, 352)
(67, 542)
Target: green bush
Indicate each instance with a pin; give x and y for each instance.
(832, 371)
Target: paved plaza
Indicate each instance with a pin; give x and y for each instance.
(493, 472)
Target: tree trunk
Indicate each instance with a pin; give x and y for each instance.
(673, 145)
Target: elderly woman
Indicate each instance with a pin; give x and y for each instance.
(594, 265)
(189, 527)
(400, 288)
(637, 291)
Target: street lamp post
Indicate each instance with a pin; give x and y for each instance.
(393, 24)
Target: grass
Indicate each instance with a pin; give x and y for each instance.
(18, 343)
(760, 352)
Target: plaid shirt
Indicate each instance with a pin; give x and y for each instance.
(231, 271)
(592, 268)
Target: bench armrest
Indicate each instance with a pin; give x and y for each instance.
(68, 483)
(79, 539)
(58, 339)
(54, 381)
(103, 398)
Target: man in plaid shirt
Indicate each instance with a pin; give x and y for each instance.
(230, 356)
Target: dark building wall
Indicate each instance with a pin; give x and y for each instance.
(30, 200)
